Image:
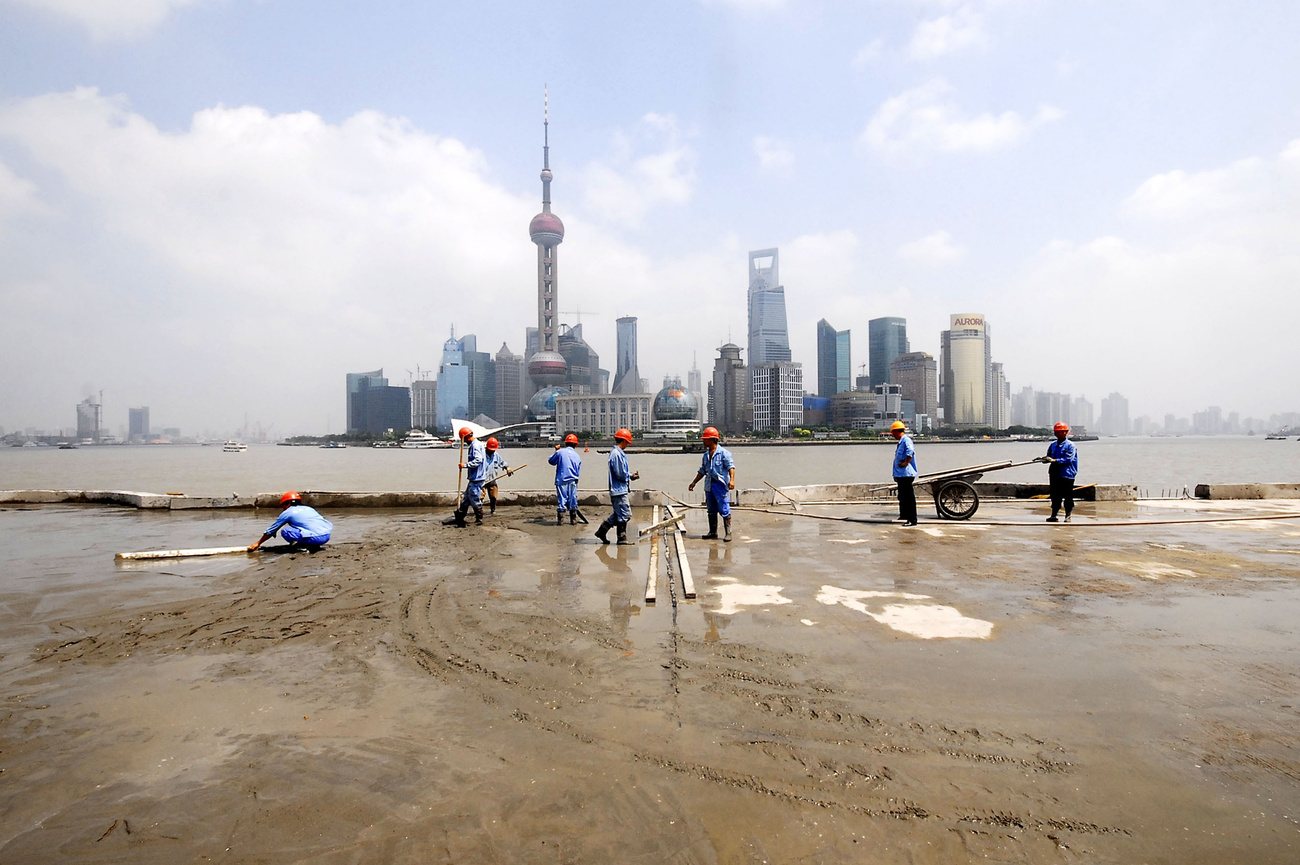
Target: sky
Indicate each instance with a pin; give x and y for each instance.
(218, 208)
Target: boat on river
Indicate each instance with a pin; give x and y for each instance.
(418, 439)
(233, 447)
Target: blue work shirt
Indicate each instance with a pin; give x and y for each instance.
(905, 449)
(496, 466)
(312, 524)
(475, 462)
(619, 473)
(717, 466)
(1068, 454)
(568, 465)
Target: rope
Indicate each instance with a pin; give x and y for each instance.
(1089, 524)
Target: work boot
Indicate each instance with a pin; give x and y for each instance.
(573, 518)
(622, 535)
(603, 531)
(1067, 516)
(1052, 519)
(478, 515)
(713, 529)
(559, 518)
(726, 529)
(492, 507)
(459, 519)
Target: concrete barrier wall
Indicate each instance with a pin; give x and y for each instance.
(314, 498)
(1248, 491)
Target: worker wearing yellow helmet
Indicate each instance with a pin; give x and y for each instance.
(905, 473)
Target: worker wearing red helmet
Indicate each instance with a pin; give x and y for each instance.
(720, 469)
(496, 467)
(568, 465)
(620, 476)
(474, 462)
(298, 524)
(1063, 467)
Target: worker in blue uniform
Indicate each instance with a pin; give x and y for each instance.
(905, 473)
(619, 478)
(474, 462)
(720, 469)
(568, 465)
(1063, 467)
(495, 468)
(298, 524)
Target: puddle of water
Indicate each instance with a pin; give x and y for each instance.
(1153, 570)
(808, 622)
(934, 533)
(736, 595)
(927, 621)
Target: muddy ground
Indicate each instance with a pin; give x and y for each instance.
(838, 692)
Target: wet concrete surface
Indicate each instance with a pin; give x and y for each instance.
(838, 692)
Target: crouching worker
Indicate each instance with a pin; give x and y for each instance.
(298, 524)
(619, 478)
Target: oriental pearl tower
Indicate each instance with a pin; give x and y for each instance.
(547, 368)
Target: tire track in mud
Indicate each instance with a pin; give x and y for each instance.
(729, 714)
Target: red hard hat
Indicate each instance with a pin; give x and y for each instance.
(290, 496)
(1061, 427)
(624, 435)
(710, 433)
(466, 433)
(492, 444)
(571, 439)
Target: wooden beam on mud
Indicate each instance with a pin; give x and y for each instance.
(679, 546)
(652, 578)
(181, 554)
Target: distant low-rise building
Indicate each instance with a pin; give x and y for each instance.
(603, 413)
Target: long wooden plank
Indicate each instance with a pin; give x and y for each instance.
(679, 546)
(784, 496)
(652, 578)
(661, 524)
(182, 554)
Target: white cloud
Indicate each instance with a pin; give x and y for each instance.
(868, 53)
(772, 153)
(932, 249)
(17, 197)
(625, 186)
(110, 19)
(948, 34)
(925, 119)
(208, 250)
(1210, 267)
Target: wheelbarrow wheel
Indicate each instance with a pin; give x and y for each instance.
(956, 500)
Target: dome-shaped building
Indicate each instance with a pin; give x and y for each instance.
(541, 407)
(675, 409)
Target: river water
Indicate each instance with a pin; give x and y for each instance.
(1156, 465)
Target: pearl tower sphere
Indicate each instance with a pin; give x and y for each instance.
(547, 368)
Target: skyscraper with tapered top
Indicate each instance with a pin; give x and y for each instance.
(547, 368)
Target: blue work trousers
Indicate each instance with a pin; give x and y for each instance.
(718, 498)
(566, 496)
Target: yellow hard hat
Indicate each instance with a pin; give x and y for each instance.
(897, 425)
